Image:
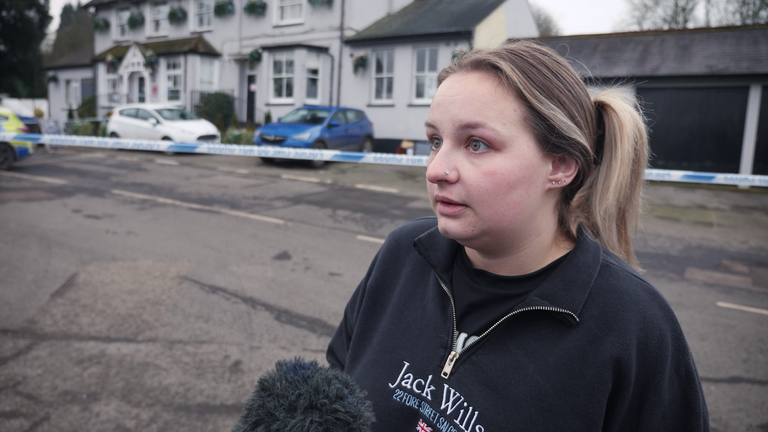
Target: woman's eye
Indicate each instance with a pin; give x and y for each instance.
(436, 143)
(477, 146)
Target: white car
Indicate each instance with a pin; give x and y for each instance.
(160, 122)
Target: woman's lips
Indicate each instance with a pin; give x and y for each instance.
(448, 207)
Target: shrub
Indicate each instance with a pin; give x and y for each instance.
(268, 117)
(81, 128)
(87, 107)
(219, 123)
(213, 104)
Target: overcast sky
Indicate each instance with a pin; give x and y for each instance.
(573, 16)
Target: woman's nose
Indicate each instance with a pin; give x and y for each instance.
(440, 167)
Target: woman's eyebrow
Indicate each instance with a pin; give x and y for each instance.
(470, 125)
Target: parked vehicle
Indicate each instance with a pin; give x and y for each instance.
(160, 122)
(319, 127)
(11, 152)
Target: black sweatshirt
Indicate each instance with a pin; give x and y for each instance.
(595, 347)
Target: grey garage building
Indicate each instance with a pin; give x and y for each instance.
(703, 91)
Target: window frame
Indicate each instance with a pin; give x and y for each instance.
(383, 76)
(72, 95)
(171, 75)
(214, 74)
(122, 31)
(427, 74)
(153, 7)
(198, 14)
(279, 6)
(312, 76)
(283, 56)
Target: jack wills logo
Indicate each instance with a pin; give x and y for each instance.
(454, 409)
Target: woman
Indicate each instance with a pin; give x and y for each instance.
(518, 308)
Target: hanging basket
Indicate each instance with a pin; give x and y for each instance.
(255, 8)
(53, 79)
(177, 15)
(316, 3)
(254, 57)
(359, 63)
(151, 60)
(100, 25)
(112, 63)
(223, 8)
(135, 20)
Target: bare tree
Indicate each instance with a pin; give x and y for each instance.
(661, 14)
(544, 21)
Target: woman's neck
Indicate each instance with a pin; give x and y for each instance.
(523, 258)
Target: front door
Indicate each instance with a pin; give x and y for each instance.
(142, 90)
(251, 106)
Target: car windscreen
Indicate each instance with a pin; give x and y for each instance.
(306, 115)
(176, 114)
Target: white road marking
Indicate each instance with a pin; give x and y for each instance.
(34, 177)
(371, 239)
(166, 162)
(127, 158)
(377, 188)
(199, 207)
(742, 308)
(233, 170)
(299, 178)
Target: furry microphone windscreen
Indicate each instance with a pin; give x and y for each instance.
(302, 396)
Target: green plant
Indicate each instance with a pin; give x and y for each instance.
(247, 137)
(135, 20)
(249, 126)
(150, 60)
(255, 7)
(81, 128)
(177, 15)
(235, 121)
(254, 57)
(112, 63)
(70, 114)
(268, 117)
(103, 129)
(328, 3)
(101, 24)
(223, 8)
(359, 62)
(219, 122)
(232, 136)
(87, 107)
(213, 104)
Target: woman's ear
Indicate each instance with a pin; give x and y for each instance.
(564, 170)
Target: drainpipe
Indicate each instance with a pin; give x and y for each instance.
(341, 48)
(330, 91)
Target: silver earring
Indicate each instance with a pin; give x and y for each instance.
(553, 182)
(447, 172)
(558, 182)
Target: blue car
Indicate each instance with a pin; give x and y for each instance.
(319, 127)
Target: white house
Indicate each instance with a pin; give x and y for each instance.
(274, 55)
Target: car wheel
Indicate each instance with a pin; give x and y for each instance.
(114, 135)
(318, 163)
(367, 146)
(167, 152)
(7, 156)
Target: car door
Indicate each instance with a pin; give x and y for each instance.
(148, 130)
(356, 128)
(337, 136)
(126, 123)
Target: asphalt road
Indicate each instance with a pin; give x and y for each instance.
(140, 291)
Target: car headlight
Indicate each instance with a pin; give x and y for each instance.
(303, 136)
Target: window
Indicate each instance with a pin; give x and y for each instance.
(130, 112)
(383, 75)
(123, 30)
(173, 71)
(113, 90)
(160, 18)
(313, 77)
(207, 74)
(282, 76)
(290, 11)
(425, 74)
(204, 15)
(72, 93)
(353, 116)
(340, 117)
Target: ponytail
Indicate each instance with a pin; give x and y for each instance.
(608, 203)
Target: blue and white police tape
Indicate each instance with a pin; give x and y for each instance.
(220, 149)
(333, 156)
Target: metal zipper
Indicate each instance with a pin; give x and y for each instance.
(450, 362)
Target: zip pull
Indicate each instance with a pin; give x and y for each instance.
(449, 364)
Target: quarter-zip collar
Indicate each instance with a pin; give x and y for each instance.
(567, 288)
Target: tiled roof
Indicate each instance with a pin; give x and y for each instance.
(80, 58)
(694, 52)
(196, 44)
(428, 18)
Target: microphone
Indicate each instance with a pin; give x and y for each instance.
(302, 396)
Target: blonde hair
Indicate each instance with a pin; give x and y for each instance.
(603, 132)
